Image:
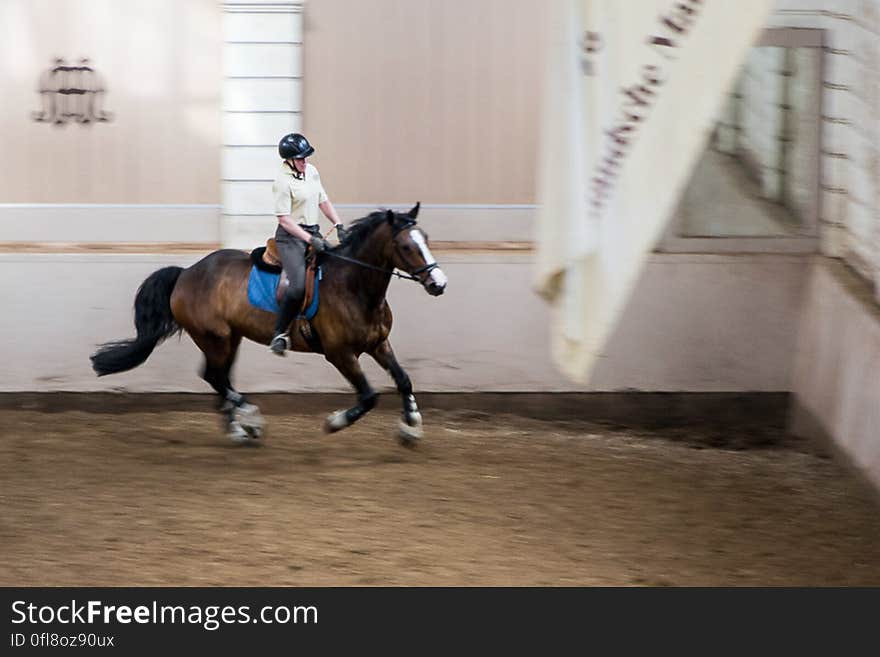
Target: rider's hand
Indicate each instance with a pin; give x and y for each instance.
(341, 232)
(319, 244)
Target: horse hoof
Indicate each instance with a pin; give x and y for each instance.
(409, 435)
(413, 420)
(249, 418)
(248, 414)
(236, 433)
(335, 422)
(254, 433)
(411, 415)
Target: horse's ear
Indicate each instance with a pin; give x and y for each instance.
(389, 216)
(415, 211)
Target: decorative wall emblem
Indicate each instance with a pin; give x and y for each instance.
(71, 93)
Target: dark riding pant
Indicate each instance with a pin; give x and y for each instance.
(292, 251)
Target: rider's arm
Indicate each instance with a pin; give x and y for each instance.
(330, 212)
(324, 202)
(293, 228)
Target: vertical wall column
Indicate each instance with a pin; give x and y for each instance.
(870, 55)
(262, 101)
(850, 187)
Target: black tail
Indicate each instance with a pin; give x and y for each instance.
(152, 319)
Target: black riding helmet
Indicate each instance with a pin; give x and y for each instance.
(294, 146)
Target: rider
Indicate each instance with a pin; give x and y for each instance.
(298, 195)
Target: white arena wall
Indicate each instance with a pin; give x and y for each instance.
(836, 377)
(696, 323)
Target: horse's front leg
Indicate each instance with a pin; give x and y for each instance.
(348, 366)
(411, 419)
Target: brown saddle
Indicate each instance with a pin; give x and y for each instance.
(270, 255)
(271, 258)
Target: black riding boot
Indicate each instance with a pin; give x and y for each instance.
(292, 252)
(281, 341)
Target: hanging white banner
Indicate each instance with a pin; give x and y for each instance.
(633, 87)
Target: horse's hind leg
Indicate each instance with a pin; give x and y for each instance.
(348, 366)
(242, 419)
(411, 419)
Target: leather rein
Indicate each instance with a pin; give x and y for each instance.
(412, 276)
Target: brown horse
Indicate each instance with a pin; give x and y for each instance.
(209, 300)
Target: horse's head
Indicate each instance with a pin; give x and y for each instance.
(411, 252)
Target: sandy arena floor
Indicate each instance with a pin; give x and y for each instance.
(148, 498)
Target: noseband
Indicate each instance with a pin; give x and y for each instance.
(421, 270)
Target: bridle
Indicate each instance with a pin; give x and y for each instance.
(411, 276)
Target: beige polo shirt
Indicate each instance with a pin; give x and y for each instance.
(298, 198)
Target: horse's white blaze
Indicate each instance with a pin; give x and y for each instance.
(437, 274)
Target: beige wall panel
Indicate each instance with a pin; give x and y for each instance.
(162, 67)
(411, 100)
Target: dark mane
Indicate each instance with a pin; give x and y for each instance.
(360, 229)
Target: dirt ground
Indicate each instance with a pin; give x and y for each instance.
(160, 498)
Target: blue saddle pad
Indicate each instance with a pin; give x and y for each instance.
(261, 292)
(261, 289)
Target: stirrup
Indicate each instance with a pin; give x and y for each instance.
(280, 344)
